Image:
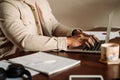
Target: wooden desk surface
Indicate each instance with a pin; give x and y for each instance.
(89, 65)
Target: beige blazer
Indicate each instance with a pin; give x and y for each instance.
(20, 29)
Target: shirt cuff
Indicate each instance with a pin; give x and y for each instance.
(62, 43)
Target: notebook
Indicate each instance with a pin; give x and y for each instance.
(86, 77)
(45, 63)
(103, 36)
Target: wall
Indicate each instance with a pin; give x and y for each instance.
(86, 13)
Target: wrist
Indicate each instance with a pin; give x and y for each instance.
(68, 41)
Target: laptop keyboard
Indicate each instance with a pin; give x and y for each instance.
(96, 46)
(85, 49)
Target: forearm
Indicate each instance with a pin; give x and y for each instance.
(43, 43)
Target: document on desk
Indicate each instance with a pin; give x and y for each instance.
(101, 35)
(45, 62)
(4, 64)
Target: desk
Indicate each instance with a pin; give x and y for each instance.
(89, 65)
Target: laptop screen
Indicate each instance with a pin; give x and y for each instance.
(109, 26)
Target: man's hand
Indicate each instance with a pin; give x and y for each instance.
(79, 38)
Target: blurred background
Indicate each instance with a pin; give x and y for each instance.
(86, 14)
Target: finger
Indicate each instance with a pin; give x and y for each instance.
(85, 35)
(90, 41)
(95, 38)
(81, 39)
(88, 45)
(85, 41)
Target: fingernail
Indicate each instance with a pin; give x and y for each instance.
(92, 44)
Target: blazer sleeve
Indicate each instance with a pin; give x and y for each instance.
(62, 30)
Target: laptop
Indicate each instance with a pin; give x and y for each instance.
(86, 77)
(96, 48)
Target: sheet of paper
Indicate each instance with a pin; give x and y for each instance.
(101, 35)
(44, 62)
(4, 64)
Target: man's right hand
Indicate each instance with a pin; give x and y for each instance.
(80, 39)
